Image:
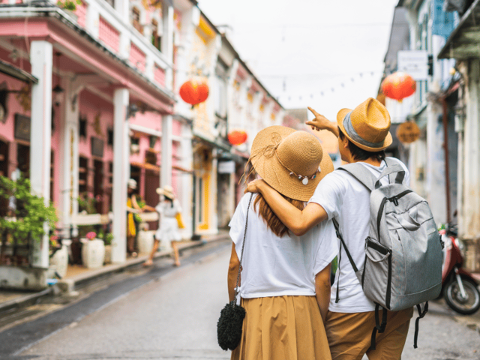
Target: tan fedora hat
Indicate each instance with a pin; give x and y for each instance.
(290, 161)
(166, 191)
(367, 126)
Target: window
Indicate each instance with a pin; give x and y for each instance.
(110, 137)
(136, 20)
(156, 39)
(82, 127)
(82, 175)
(221, 89)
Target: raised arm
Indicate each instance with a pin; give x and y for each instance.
(320, 122)
(298, 221)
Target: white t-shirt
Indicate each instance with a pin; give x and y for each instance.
(346, 199)
(274, 266)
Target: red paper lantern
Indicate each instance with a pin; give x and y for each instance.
(194, 91)
(398, 86)
(237, 137)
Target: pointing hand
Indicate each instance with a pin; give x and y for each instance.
(320, 122)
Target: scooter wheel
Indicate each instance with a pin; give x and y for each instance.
(453, 297)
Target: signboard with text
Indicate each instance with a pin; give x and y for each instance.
(414, 63)
(226, 167)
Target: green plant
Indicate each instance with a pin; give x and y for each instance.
(108, 239)
(31, 213)
(69, 4)
(87, 203)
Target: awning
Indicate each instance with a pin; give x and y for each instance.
(464, 42)
(212, 142)
(17, 73)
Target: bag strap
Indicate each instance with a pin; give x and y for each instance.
(379, 327)
(342, 242)
(243, 247)
(421, 314)
(339, 235)
(361, 174)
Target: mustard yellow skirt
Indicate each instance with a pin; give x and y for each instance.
(282, 328)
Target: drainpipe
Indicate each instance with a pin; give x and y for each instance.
(447, 165)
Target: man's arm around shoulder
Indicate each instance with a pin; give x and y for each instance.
(298, 221)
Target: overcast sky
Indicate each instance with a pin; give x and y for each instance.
(303, 48)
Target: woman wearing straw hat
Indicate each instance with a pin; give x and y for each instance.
(363, 135)
(285, 280)
(168, 208)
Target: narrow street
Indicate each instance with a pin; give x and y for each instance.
(174, 317)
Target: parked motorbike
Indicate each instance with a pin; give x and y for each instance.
(460, 289)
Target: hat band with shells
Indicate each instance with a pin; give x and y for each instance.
(303, 178)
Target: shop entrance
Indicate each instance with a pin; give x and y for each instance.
(23, 159)
(152, 182)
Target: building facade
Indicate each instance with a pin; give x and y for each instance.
(89, 99)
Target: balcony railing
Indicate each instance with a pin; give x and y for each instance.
(106, 24)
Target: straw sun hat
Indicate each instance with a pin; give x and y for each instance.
(166, 191)
(367, 126)
(290, 161)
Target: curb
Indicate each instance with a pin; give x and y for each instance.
(70, 284)
(25, 300)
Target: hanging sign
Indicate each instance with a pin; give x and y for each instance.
(414, 63)
(226, 167)
(408, 132)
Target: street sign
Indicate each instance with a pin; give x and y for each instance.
(408, 132)
(226, 167)
(414, 63)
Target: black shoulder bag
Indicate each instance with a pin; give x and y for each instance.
(229, 325)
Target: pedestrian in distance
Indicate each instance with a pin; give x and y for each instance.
(132, 208)
(168, 208)
(363, 135)
(285, 279)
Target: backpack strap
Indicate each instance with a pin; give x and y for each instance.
(421, 314)
(379, 327)
(361, 174)
(342, 242)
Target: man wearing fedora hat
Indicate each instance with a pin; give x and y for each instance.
(363, 135)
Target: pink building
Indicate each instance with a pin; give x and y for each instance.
(86, 103)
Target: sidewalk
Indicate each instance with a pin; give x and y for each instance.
(79, 275)
(471, 321)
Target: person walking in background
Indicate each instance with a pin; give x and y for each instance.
(132, 209)
(285, 280)
(168, 209)
(363, 135)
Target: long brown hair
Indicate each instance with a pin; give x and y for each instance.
(272, 220)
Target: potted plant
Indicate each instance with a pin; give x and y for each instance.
(93, 251)
(108, 248)
(25, 225)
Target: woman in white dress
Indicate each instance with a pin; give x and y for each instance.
(168, 208)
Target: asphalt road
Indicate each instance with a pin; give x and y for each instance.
(173, 316)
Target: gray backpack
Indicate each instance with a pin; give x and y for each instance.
(403, 252)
